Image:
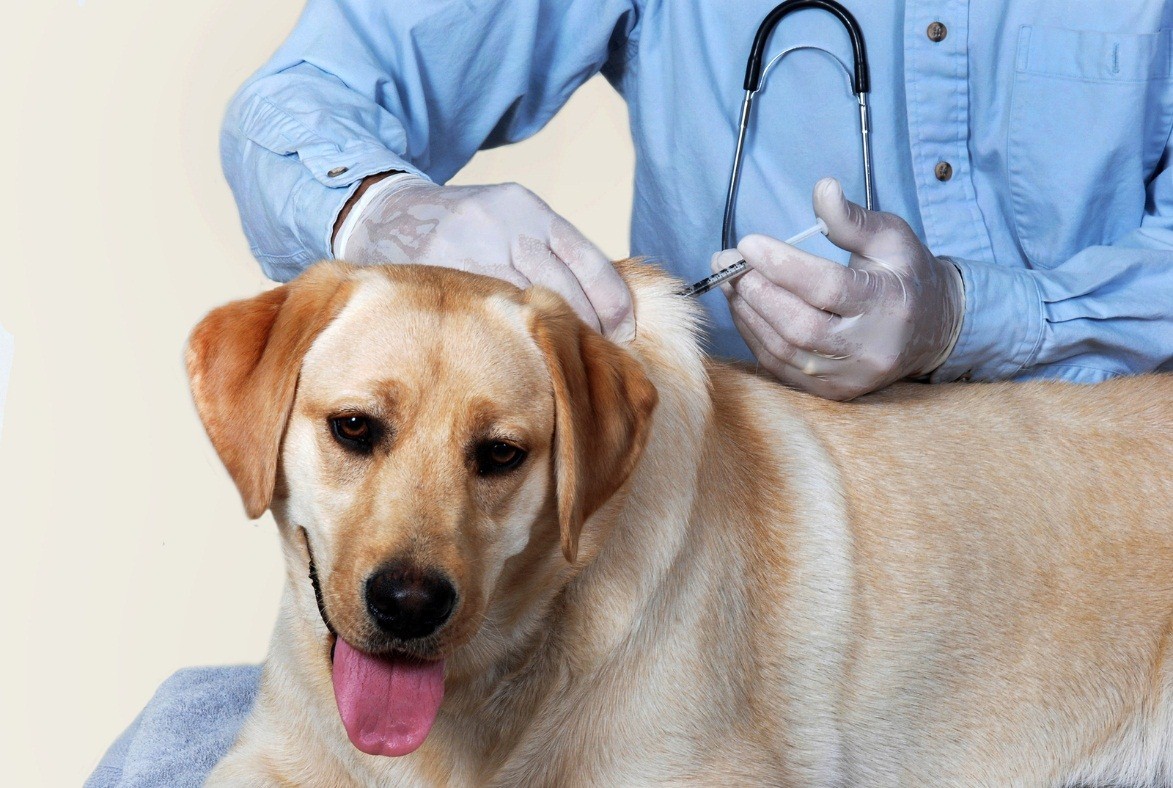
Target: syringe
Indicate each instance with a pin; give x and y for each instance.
(740, 267)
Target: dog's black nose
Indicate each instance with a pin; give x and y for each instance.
(408, 602)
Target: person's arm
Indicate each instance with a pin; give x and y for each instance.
(363, 87)
(841, 331)
(1106, 311)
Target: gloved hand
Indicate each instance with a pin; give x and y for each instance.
(837, 331)
(504, 231)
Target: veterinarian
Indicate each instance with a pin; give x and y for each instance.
(1023, 146)
(1021, 154)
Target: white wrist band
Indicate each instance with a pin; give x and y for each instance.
(355, 216)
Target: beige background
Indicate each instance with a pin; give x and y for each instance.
(126, 553)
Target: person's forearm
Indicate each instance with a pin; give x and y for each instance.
(1102, 313)
(290, 182)
(350, 94)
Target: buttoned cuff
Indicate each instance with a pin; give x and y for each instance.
(331, 173)
(315, 209)
(1003, 326)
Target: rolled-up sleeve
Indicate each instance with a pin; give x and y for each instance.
(368, 86)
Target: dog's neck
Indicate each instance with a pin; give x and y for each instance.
(635, 539)
(651, 519)
(634, 542)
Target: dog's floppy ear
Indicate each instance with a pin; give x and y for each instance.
(603, 404)
(243, 361)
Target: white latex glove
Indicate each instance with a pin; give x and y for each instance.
(504, 231)
(838, 331)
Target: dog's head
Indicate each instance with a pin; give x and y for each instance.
(432, 443)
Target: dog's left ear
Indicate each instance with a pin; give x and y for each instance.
(603, 405)
(243, 361)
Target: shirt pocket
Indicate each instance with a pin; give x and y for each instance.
(1090, 115)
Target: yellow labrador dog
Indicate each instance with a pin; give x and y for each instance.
(519, 554)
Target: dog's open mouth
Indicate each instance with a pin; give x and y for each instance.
(387, 702)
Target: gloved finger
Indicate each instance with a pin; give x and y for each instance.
(817, 365)
(850, 226)
(721, 260)
(825, 367)
(785, 372)
(764, 335)
(822, 283)
(825, 386)
(794, 366)
(799, 323)
(764, 359)
(602, 284)
(537, 262)
(504, 271)
(724, 259)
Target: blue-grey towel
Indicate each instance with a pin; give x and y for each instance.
(185, 729)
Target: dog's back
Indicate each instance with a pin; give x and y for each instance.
(989, 574)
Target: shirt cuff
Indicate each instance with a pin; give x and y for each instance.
(306, 218)
(1003, 326)
(332, 170)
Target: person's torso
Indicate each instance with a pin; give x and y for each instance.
(1010, 132)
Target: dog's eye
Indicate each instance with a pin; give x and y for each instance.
(353, 432)
(498, 457)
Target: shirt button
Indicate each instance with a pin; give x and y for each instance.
(334, 173)
(943, 171)
(937, 32)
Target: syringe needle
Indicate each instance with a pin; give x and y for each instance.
(740, 267)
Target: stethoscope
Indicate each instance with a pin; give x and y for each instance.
(755, 74)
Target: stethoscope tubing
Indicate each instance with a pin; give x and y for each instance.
(754, 74)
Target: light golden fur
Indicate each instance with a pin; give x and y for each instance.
(697, 576)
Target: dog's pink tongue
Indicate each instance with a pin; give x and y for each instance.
(388, 705)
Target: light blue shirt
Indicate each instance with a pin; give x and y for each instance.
(1054, 117)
